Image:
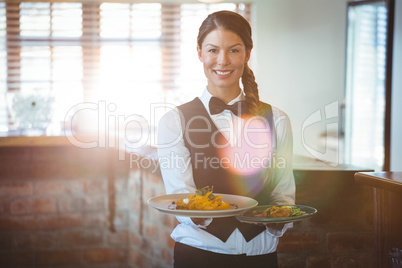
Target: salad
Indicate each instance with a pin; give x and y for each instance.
(281, 211)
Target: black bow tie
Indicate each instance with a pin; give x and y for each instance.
(217, 106)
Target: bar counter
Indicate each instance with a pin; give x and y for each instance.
(387, 188)
(24, 141)
(390, 181)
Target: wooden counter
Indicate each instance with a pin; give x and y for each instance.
(18, 141)
(331, 189)
(45, 141)
(304, 163)
(387, 188)
(390, 181)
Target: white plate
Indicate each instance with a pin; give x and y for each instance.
(243, 204)
(249, 216)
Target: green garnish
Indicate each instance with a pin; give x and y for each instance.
(204, 191)
(296, 211)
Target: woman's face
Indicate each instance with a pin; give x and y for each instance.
(223, 55)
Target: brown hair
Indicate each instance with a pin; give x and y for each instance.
(235, 23)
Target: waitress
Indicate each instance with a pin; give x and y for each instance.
(229, 140)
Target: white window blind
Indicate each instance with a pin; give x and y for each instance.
(3, 69)
(365, 87)
(126, 55)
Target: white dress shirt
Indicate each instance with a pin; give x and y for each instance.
(178, 178)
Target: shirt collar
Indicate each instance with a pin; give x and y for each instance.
(206, 96)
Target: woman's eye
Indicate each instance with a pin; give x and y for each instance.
(213, 50)
(234, 50)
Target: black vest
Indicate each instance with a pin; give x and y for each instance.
(202, 138)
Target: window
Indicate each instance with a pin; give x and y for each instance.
(365, 85)
(123, 55)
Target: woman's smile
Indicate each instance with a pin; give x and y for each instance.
(223, 73)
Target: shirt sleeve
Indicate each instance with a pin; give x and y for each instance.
(282, 183)
(174, 158)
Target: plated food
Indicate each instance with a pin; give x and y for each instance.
(168, 204)
(202, 199)
(277, 214)
(282, 211)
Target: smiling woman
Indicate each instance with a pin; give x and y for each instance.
(127, 54)
(228, 138)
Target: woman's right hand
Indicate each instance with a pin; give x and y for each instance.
(202, 221)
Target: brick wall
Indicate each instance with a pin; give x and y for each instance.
(69, 207)
(55, 211)
(151, 244)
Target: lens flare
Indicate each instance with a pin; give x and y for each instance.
(253, 150)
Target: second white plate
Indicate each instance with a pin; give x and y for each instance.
(250, 216)
(242, 204)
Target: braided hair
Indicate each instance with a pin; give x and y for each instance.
(235, 23)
